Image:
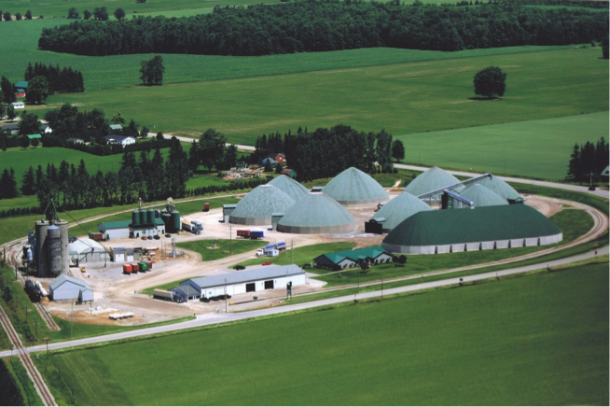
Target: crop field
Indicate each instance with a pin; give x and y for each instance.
(408, 98)
(522, 341)
(60, 9)
(508, 149)
(20, 40)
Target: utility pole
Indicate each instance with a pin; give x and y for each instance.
(226, 300)
(71, 318)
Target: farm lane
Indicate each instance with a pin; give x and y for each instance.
(211, 319)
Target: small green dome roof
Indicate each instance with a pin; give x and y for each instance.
(400, 208)
(353, 186)
(481, 196)
(500, 187)
(289, 186)
(431, 180)
(316, 210)
(261, 202)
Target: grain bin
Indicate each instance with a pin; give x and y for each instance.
(135, 218)
(54, 250)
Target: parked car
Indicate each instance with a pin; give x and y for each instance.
(267, 263)
(239, 267)
(156, 237)
(144, 238)
(168, 235)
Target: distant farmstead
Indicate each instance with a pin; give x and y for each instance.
(123, 140)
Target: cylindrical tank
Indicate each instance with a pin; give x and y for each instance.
(65, 247)
(157, 214)
(135, 218)
(175, 222)
(54, 249)
(151, 216)
(40, 252)
(166, 221)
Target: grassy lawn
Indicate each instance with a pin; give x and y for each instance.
(537, 340)
(215, 249)
(302, 255)
(27, 389)
(509, 149)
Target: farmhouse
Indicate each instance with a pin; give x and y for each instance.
(21, 86)
(69, 288)
(484, 228)
(290, 173)
(11, 128)
(123, 140)
(18, 105)
(250, 281)
(350, 258)
(116, 127)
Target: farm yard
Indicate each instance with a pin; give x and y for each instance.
(454, 331)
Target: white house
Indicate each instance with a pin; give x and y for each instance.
(124, 140)
(18, 105)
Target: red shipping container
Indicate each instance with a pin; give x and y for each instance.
(149, 264)
(136, 267)
(127, 268)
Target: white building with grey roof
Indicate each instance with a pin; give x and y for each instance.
(252, 280)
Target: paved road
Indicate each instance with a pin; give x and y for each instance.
(211, 319)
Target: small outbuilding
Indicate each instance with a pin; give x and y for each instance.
(114, 230)
(65, 287)
(350, 258)
(123, 140)
(252, 280)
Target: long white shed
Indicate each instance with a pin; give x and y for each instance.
(259, 278)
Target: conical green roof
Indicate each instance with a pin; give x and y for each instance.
(500, 187)
(289, 186)
(482, 196)
(398, 209)
(316, 210)
(258, 205)
(353, 187)
(431, 180)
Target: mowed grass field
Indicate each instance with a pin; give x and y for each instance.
(537, 340)
(20, 40)
(532, 149)
(400, 98)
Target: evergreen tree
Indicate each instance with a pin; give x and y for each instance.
(8, 90)
(212, 149)
(230, 158)
(8, 185)
(28, 15)
(398, 150)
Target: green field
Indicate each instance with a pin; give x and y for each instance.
(537, 340)
(509, 149)
(214, 249)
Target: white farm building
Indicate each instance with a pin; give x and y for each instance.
(69, 288)
(250, 281)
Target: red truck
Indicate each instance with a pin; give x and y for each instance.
(96, 236)
(243, 233)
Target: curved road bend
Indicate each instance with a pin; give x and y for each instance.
(211, 319)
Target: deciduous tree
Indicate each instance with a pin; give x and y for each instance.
(38, 90)
(490, 82)
(151, 71)
(398, 150)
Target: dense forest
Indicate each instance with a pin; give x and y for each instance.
(328, 25)
(326, 152)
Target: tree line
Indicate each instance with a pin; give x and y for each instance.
(18, 16)
(60, 80)
(588, 160)
(327, 25)
(326, 152)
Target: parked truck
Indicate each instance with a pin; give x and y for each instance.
(191, 228)
(256, 234)
(263, 250)
(271, 250)
(243, 233)
(97, 236)
(281, 246)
